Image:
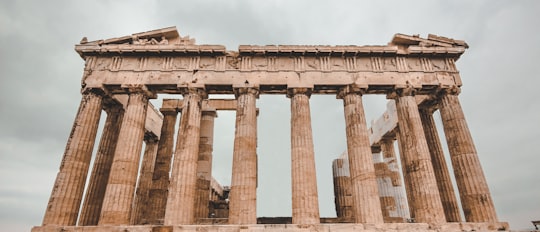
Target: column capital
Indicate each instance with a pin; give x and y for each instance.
(170, 106)
(139, 88)
(210, 112)
(96, 91)
(407, 90)
(246, 90)
(198, 91)
(452, 90)
(350, 89)
(293, 91)
(110, 105)
(429, 104)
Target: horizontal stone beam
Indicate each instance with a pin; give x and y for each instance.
(208, 104)
(295, 50)
(271, 82)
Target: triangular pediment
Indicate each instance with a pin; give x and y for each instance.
(168, 35)
(430, 41)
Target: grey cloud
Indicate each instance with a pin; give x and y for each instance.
(40, 79)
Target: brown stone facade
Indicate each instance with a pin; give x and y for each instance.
(168, 185)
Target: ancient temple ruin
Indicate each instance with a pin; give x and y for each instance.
(174, 189)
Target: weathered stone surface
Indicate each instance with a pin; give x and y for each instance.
(204, 165)
(168, 61)
(343, 198)
(366, 204)
(420, 183)
(473, 189)
(95, 192)
(155, 211)
(145, 180)
(243, 195)
(446, 190)
(182, 188)
(66, 196)
(401, 207)
(305, 203)
(420, 227)
(118, 199)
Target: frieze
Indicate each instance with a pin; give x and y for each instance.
(167, 63)
(116, 63)
(350, 63)
(374, 64)
(221, 63)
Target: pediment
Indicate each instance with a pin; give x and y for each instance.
(430, 41)
(168, 35)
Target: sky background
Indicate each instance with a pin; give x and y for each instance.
(40, 77)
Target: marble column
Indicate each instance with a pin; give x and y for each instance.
(204, 166)
(118, 198)
(366, 203)
(471, 182)
(424, 200)
(389, 157)
(182, 188)
(343, 197)
(243, 195)
(305, 203)
(67, 193)
(444, 183)
(102, 166)
(155, 210)
(145, 179)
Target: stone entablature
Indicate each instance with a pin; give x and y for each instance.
(165, 68)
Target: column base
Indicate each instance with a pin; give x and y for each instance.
(455, 226)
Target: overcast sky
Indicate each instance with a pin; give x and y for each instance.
(40, 77)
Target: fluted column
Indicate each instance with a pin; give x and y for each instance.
(118, 199)
(400, 199)
(424, 200)
(155, 210)
(182, 188)
(366, 204)
(102, 166)
(145, 179)
(446, 190)
(66, 196)
(472, 185)
(243, 195)
(204, 166)
(305, 203)
(343, 198)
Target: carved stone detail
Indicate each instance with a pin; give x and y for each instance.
(350, 63)
(325, 63)
(168, 62)
(376, 64)
(220, 63)
(427, 66)
(116, 63)
(402, 64)
(194, 63)
(450, 64)
(272, 64)
(143, 62)
(299, 64)
(245, 63)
